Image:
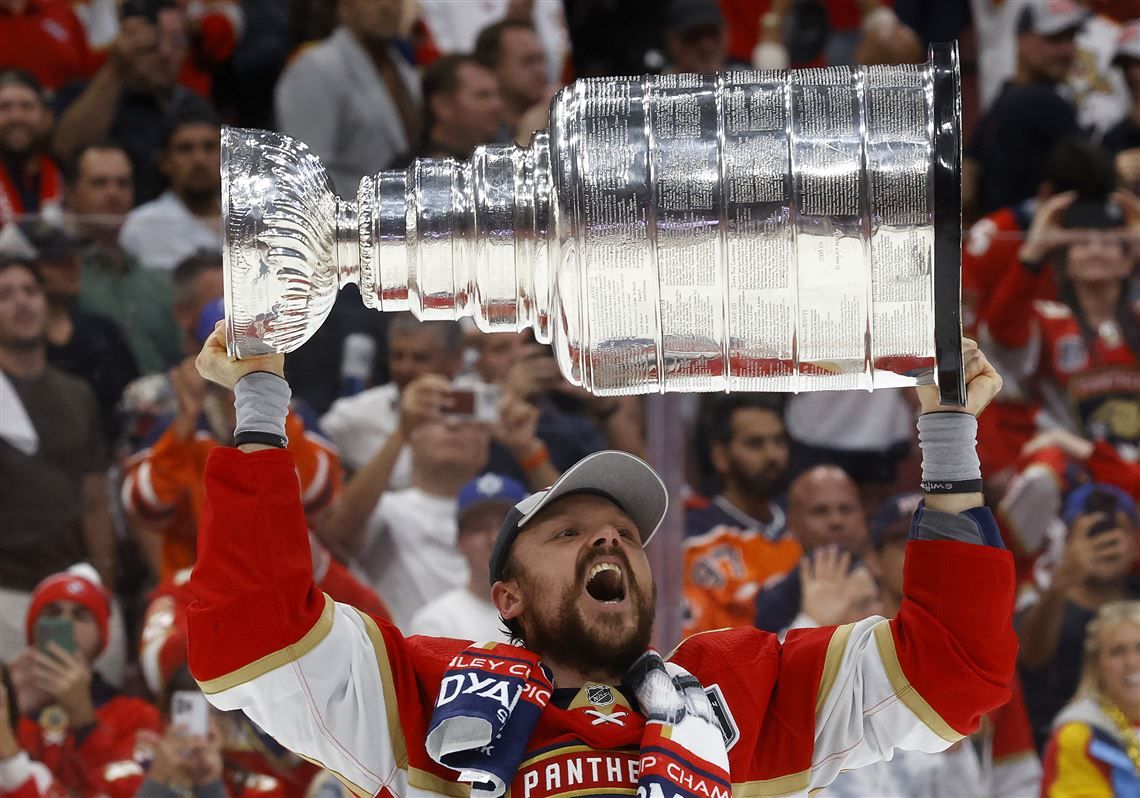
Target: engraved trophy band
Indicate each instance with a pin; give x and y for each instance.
(744, 231)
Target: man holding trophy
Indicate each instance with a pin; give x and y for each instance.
(658, 237)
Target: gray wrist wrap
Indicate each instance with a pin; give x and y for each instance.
(261, 400)
(949, 447)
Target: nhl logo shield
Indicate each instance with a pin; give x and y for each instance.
(599, 695)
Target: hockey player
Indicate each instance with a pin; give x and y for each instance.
(583, 706)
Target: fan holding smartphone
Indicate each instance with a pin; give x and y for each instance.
(73, 721)
(1094, 568)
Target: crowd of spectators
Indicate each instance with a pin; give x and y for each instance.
(412, 440)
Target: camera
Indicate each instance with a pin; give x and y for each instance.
(475, 403)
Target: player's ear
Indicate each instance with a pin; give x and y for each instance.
(507, 598)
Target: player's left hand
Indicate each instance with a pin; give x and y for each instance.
(982, 384)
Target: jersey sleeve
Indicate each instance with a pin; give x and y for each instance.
(262, 637)
(318, 466)
(157, 477)
(1008, 323)
(837, 698)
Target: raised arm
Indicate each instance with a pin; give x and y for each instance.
(344, 528)
(847, 696)
(322, 678)
(91, 115)
(1007, 315)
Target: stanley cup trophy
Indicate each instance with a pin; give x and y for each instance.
(746, 231)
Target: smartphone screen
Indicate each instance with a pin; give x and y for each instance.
(55, 630)
(188, 709)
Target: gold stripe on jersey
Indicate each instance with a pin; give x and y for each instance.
(283, 656)
(905, 690)
(835, 650)
(781, 785)
(420, 779)
(349, 785)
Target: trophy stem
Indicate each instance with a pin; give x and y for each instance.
(446, 239)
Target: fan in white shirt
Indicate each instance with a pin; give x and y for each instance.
(466, 612)
(359, 425)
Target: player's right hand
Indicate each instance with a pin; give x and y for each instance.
(983, 383)
(215, 365)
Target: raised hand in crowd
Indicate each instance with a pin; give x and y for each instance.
(181, 758)
(205, 756)
(189, 393)
(535, 372)
(424, 399)
(517, 431)
(1045, 231)
(137, 37)
(1092, 551)
(833, 591)
(342, 529)
(66, 679)
(1092, 546)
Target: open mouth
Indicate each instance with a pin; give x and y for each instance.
(606, 583)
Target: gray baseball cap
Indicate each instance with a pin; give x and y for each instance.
(627, 481)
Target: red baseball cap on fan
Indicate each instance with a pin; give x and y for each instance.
(80, 584)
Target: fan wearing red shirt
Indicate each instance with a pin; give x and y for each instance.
(1076, 361)
(30, 182)
(990, 253)
(47, 39)
(74, 722)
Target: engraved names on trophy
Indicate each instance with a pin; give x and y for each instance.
(829, 217)
(621, 341)
(761, 270)
(684, 171)
(899, 156)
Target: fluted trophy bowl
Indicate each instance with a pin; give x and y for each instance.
(745, 231)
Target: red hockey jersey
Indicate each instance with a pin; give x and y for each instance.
(350, 692)
(1090, 387)
(76, 761)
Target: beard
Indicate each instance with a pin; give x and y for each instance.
(599, 646)
(19, 142)
(767, 481)
(201, 198)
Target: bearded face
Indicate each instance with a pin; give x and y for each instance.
(24, 121)
(580, 587)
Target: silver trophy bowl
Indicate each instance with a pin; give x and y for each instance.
(745, 231)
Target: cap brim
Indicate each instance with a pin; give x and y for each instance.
(628, 480)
